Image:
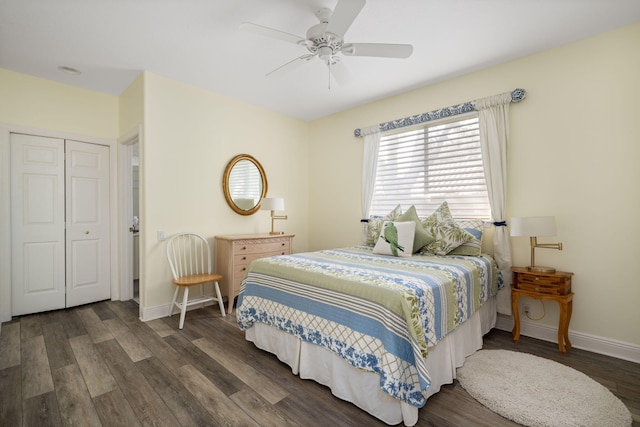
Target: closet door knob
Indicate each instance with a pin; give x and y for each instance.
(86, 232)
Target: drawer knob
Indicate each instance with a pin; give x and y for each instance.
(283, 244)
(244, 269)
(244, 258)
(283, 253)
(537, 278)
(244, 247)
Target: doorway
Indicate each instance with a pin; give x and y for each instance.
(130, 215)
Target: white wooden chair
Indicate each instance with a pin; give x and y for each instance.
(190, 260)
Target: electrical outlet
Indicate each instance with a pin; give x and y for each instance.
(526, 308)
(161, 235)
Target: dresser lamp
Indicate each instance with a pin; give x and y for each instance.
(273, 204)
(534, 227)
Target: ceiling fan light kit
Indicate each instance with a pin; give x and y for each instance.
(326, 39)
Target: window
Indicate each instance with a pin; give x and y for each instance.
(428, 165)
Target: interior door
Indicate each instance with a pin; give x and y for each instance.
(37, 221)
(87, 205)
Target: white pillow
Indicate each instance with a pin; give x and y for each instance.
(396, 238)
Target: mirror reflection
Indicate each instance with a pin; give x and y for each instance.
(244, 184)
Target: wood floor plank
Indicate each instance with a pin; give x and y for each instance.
(73, 324)
(74, 402)
(42, 410)
(114, 410)
(210, 368)
(223, 409)
(11, 396)
(147, 405)
(127, 340)
(103, 311)
(123, 312)
(58, 347)
(96, 329)
(161, 327)
(260, 410)
(36, 373)
(269, 390)
(94, 370)
(30, 326)
(10, 345)
(160, 349)
(182, 404)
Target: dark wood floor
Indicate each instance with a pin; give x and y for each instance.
(99, 365)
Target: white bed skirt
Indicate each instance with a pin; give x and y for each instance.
(362, 388)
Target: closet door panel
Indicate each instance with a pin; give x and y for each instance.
(88, 257)
(37, 224)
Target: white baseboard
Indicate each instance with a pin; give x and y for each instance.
(161, 311)
(595, 344)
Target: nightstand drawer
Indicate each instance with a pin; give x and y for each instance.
(550, 284)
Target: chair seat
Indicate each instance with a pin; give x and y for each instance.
(197, 279)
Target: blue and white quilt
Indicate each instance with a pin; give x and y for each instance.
(379, 313)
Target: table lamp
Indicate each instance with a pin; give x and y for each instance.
(534, 227)
(273, 204)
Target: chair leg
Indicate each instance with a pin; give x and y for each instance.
(183, 312)
(173, 301)
(219, 296)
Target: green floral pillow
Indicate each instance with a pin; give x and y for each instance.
(472, 247)
(374, 226)
(447, 233)
(422, 237)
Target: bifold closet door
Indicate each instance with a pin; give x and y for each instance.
(37, 224)
(60, 223)
(87, 214)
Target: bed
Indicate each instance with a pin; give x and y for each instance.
(381, 332)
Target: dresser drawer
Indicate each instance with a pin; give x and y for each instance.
(268, 248)
(551, 284)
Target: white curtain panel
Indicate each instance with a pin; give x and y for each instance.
(369, 168)
(493, 113)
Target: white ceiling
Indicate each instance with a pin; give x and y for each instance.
(198, 42)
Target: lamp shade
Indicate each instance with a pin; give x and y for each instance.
(272, 204)
(533, 226)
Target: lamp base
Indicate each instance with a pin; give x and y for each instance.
(542, 269)
(276, 233)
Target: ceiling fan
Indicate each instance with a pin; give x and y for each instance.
(325, 40)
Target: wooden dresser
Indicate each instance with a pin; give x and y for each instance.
(235, 252)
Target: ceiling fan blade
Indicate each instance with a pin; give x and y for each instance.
(269, 32)
(291, 65)
(343, 16)
(383, 50)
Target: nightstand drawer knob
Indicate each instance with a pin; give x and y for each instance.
(244, 258)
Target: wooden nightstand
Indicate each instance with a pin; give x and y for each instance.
(543, 286)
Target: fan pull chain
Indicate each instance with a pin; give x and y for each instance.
(329, 68)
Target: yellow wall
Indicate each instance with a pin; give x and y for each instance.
(573, 153)
(34, 102)
(190, 135)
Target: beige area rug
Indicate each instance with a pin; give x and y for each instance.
(534, 391)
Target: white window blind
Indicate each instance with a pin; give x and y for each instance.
(431, 164)
(245, 181)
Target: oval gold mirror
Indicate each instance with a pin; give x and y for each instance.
(244, 184)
